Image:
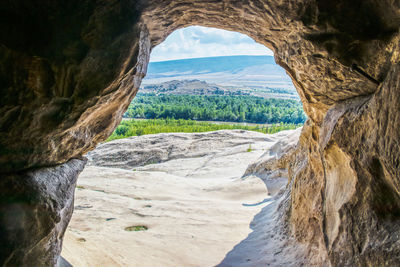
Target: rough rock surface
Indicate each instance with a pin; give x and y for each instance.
(68, 70)
(35, 209)
(134, 152)
(277, 157)
(273, 166)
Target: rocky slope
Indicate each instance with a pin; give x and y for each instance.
(135, 152)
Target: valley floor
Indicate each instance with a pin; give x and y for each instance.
(192, 198)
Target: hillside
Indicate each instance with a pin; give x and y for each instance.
(197, 87)
(232, 64)
(248, 71)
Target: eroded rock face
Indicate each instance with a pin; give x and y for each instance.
(68, 70)
(35, 209)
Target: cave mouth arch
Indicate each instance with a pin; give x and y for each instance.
(81, 90)
(65, 91)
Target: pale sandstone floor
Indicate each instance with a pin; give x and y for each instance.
(197, 208)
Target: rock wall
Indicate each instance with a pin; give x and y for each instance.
(35, 209)
(68, 70)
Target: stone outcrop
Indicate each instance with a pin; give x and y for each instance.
(69, 69)
(278, 157)
(133, 152)
(35, 208)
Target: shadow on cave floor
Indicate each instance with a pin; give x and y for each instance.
(267, 244)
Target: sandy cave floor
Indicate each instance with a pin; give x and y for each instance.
(196, 208)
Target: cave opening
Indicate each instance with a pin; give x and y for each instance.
(213, 75)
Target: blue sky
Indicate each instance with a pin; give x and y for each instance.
(196, 41)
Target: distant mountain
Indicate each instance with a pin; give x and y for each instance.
(244, 71)
(233, 64)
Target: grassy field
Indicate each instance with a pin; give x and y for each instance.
(134, 127)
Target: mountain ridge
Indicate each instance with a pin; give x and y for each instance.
(209, 64)
(249, 71)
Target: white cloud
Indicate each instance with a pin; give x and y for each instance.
(196, 41)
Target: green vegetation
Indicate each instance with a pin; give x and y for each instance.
(136, 228)
(249, 149)
(133, 127)
(216, 108)
(189, 113)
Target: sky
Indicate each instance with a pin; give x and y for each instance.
(197, 41)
